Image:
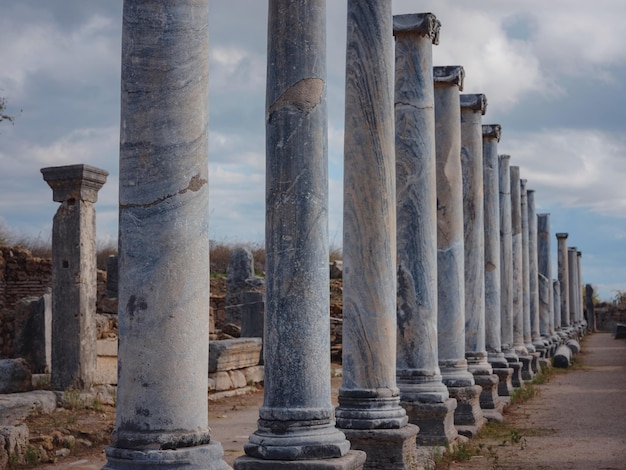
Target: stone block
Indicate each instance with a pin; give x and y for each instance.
(574, 346)
(17, 406)
(435, 421)
(620, 331)
(237, 378)
(33, 332)
(254, 375)
(505, 383)
(106, 364)
(236, 353)
(15, 376)
(468, 417)
(353, 460)
(222, 381)
(393, 449)
(253, 313)
(15, 440)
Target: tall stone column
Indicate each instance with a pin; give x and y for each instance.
(574, 290)
(556, 297)
(533, 274)
(161, 418)
(544, 267)
(473, 107)
(450, 251)
(74, 274)
(369, 408)
(563, 274)
(296, 421)
(506, 269)
(491, 193)
(581, 290)
(423, 394)
(534, 356)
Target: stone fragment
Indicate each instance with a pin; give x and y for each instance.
(562, 357)
(236, 353)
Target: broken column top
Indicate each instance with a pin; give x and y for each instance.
(562, 235)
(423, 24)
(474, 101)
(75, 182)
(449, 75)
(492, 131)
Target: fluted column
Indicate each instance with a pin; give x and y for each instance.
(296, 421)
(161, 416)
(418, 374)
(563, 275)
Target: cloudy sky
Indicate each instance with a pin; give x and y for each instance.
(554, 74)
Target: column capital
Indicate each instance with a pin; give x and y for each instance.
(449, 75)
(474, 101)
(562, 235)
(74, 182)
(579, 253)
(504, 156)
(528, 191)
(422, 24)
(492, 131)
(572, 248)
(543, 214)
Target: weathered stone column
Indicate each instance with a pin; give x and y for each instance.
(74, 274)
(533, 274)
(450, 251)
(296, 421)
(574, 290)
(534, 356)
(369, 408)
(563, 273)
(544, 268)
(491, 193)
(423, 394)
(506, 269)
(581, 291)
(556, 297)
(591, 317)
(473, 107)
(161, 419)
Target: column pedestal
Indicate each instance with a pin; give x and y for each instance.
(353, 460)
(490, 402)
(435, 421)
(468, 417)
(394, 449)
(505, 383)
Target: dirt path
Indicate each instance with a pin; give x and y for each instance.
(577, 421)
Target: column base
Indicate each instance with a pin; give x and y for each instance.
(393, 449)
(468, 417)
(527, 368)
(536, 368)
(435, 421)
(353, 460)
(203, 457)
(516, 378)
(489, 400)
(505, 386)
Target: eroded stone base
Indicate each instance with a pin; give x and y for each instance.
(435, 422)
(189, 458)
(505, 384)
(527, 370)
(393, 449)
(516, 378)
(489, 400)
(353, 460)
(468, 417)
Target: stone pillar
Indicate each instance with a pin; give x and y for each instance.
(423, 394)
(74, 274)
(533, 274)
(591, 317)
(369, 408)
(491, 193)
(163, 354)
(544, 268)
(473, 107)
(556, 305)
(296, 421)
(450, 251)
(574, 291)
(581, 310)
(534, 356)
(506, 270)
(563, 272)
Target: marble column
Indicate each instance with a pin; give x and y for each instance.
(574, 290)
(491, 209)
(423, 394)
(533, 274)
(544, 268)
(473, 107)
(534, 356)
(161, 416)
(581, 290)
(369, 408)
(296, 421)
(450, 251)
(556, 305)
(73, 349)
(563, 275)
(506, 269)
